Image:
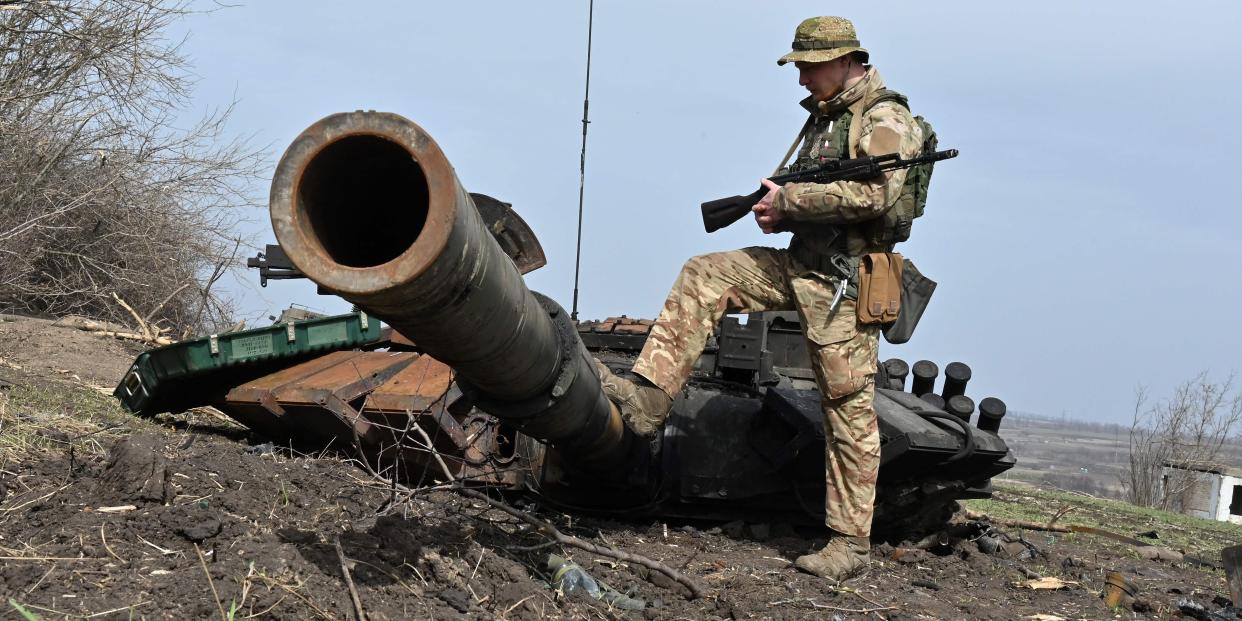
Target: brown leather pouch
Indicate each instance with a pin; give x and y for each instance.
(879, 288)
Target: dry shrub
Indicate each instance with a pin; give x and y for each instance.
(1188, 431)
(101, 192)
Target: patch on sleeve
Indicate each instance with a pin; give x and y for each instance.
(884, 140)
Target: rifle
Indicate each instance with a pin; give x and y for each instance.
(722, 212)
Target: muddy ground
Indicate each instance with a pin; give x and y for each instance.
(106, 516)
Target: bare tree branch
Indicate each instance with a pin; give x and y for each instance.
(102, 191)
(1170, 439)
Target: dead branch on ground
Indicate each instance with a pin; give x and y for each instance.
(542, 526)
(349, 581)
(1028, 525)
(549, 530)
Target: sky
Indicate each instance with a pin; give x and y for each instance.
(1083, 241)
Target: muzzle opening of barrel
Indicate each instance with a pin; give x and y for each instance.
(364, 199)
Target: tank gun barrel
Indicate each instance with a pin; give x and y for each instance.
(368, 206)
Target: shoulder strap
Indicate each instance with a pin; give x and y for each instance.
(864, 105)
(886, 94)
(797, 141)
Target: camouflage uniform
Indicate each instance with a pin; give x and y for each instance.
(826, 219)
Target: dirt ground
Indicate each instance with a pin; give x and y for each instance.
(107, 516)
(56, 350)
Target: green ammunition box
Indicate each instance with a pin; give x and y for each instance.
(194, 373)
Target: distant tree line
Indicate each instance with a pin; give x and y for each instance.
(104, 198)
(1026, 418)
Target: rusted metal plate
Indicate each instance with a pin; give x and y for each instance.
(626, 321)
(254, 391)
(616, 325)
(347, 380)
(254, 404)
(371, 400)
(309, 401)
(633, 328)
(396, 339)
(414, 388)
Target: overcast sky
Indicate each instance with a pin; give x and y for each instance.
(1084, 241)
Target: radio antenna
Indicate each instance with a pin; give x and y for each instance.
(586, 109)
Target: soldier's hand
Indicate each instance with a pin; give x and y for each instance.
(765, 213)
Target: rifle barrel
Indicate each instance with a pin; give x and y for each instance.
(720, 213)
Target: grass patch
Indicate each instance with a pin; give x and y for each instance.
(1015, 501)
(67, 400)
(26, 614)
(38, 417)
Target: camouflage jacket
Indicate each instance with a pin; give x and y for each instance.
(816, 211)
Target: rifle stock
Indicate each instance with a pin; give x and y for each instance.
(722, 212)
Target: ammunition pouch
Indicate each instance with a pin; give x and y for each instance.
(916, 292)
(879, 288)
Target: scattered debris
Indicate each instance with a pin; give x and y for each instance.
(1195, 610)
(997, 543)
(1051, 583)
(909, 555)
(116, 509)
(261, 449)
(569, 578)
(1145, 550)
(1160, 553)
(1118, 591)
(983, 517)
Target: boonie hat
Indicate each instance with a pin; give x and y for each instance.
(821, 39)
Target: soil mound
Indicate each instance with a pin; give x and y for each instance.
(60, 350)
(136, 471)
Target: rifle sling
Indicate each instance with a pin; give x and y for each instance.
(794, 147)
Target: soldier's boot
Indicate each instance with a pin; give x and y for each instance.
(643, 407)
(843, 557)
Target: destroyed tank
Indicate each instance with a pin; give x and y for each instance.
(499, 382)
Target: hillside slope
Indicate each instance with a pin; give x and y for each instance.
(105, 515)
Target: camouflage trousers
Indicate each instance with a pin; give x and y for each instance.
(843, 354)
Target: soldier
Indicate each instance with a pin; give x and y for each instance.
(851, 114)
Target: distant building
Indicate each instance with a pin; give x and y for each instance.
(1215, 492)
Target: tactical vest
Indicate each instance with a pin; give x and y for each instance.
(833, 142)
